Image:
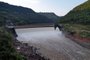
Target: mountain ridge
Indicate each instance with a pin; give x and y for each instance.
(50, 15)
(20, 15)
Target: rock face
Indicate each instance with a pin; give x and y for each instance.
(79, 15)
(20, 15)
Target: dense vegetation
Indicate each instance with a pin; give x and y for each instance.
(20, 15)
(81, 30)
(79, 15)
(78, 20)
(7, 50)
(51, 16)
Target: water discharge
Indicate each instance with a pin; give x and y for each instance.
(53, 44)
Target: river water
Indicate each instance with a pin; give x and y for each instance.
(53, 44)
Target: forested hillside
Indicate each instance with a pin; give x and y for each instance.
(78, 20)
(79, 15)
(50, 15)
(20, 15)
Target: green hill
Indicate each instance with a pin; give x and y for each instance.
(20, 15)
(78, 20)
(79, 15)
(50, 15)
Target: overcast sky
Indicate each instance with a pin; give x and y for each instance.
(59, 7)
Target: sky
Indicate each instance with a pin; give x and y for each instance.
(59, 7)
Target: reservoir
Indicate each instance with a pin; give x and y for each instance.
(53, 44)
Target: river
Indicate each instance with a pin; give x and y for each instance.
(53, 44)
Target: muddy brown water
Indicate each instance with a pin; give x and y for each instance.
(53, 44)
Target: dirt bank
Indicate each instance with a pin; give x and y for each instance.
(34, 26)
(85, 42)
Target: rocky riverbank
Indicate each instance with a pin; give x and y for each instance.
(29, 52)
(12, 49)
